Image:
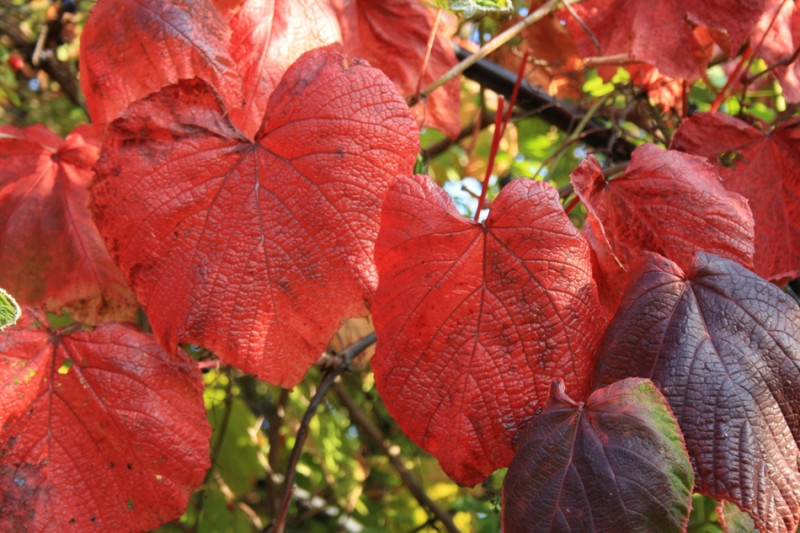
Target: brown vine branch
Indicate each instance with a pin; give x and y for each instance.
(368, 428)
(345, 359)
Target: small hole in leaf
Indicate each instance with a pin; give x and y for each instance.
(130, 466)
(65, 366)
(130, 505)
(159, 478)
(728, 159)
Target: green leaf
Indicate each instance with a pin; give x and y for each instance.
(479, 8)
(9, 310)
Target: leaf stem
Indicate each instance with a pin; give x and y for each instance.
(346, 358)
(498, 41)
(498, 134)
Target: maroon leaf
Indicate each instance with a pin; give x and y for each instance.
(393, 36)
(51, 253)
(131, 48)
(664, 202)
(256, 250)
(99, 429)
(723, 345)
(661, 33)
(763, 169)
(617, 463)
(475, 320)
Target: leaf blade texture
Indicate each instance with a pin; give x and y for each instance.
(473, 320)
(616, 463)
(663, 203)
(132, 48)
(723, 345)
(652, 33)
(256, 250)
(51, 253)
(99, 428)
(762, 168)
(365, 25)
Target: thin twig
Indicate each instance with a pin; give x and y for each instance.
(498, 41)
(585, 28)
(367, 427)
(346, 358)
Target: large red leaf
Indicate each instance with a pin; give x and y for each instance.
(267, 37)
(51, 253)
(763, 169)
(661, 33)
(723, 345)
(257, 250)
(664, 202)
(99, 429)
(475, 320)
(393, 36)
(615, 463)
(131, 48)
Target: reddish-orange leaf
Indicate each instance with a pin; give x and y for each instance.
(393, 35)
(765, 169)
(131, 48)
(267, 37)
(256, 250)
(665, 202)
(51, 253)
(474, 320)
(661, 33)
(99, 429)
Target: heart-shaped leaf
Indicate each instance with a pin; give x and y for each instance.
(763, 169)
(100, 429)
(664, 202)
(723, 345)
(616, 463)
(475, 320)
(256, 250)
(51, 254)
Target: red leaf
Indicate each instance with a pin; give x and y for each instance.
(256, 250)
(132, 48)
(99, 429)
(763, 169)
(723, 345)
(660, 32)
(267, 37)
(475, 320)
(51, 252)
(393, 36)
(777, 39)
(617, 463)
(664, 202)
